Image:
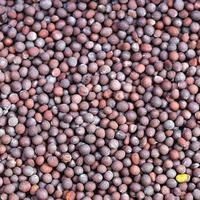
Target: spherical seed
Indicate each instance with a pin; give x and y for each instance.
(34, 179)
(115, 85)
(41, 194)
(179, 5)
(169, 125)
(28, 152)
(145, 180)
(43, 98)
(19, 47)
(171, 183)
(117, 166)
(174, 154)
(32, 36)
(114, 144)
(146, 82)
(147, 167)
(83, 91)
(84, 149)
(72, 61)
(149, 190)
(45, 4)
(122, 106)
(193, 107)
(99, 100)
(13, 121)
(28, 171)
(196, 194)
(9, 189)
(195, 15)
(135, 170)
(88, 117)
(24, 186)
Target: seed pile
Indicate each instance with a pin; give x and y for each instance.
(99, 100)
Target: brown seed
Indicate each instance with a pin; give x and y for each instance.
(174, 106)
(135, 170)
(66, 157)
(174, 154)
(146, 47)
(173, 56)
(45, 168)
(140, 68)
(135, 158)
(173, 31)
(20, 128)
(146, 82)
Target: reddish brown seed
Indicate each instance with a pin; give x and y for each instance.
(58, 91)
(174, 154)
(146, 82)
(99, 99)
(24, 186)
(173, 31)
(146, 47)
(45, 168)
(174, 106)
(66, 158)
(20, 129)
(135, 158)
(135, 170)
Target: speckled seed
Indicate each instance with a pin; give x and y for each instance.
(13, 121)
(99, 100)
(19, 47)
(72, 62)
(3, 63)
(169, 125)
(32, 36)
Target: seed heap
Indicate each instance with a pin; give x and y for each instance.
(99, 100)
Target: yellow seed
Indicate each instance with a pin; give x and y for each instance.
(181, 178)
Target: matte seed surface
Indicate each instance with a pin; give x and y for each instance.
(99, 100)
(13, 121)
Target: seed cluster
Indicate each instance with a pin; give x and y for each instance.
(99, 100)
